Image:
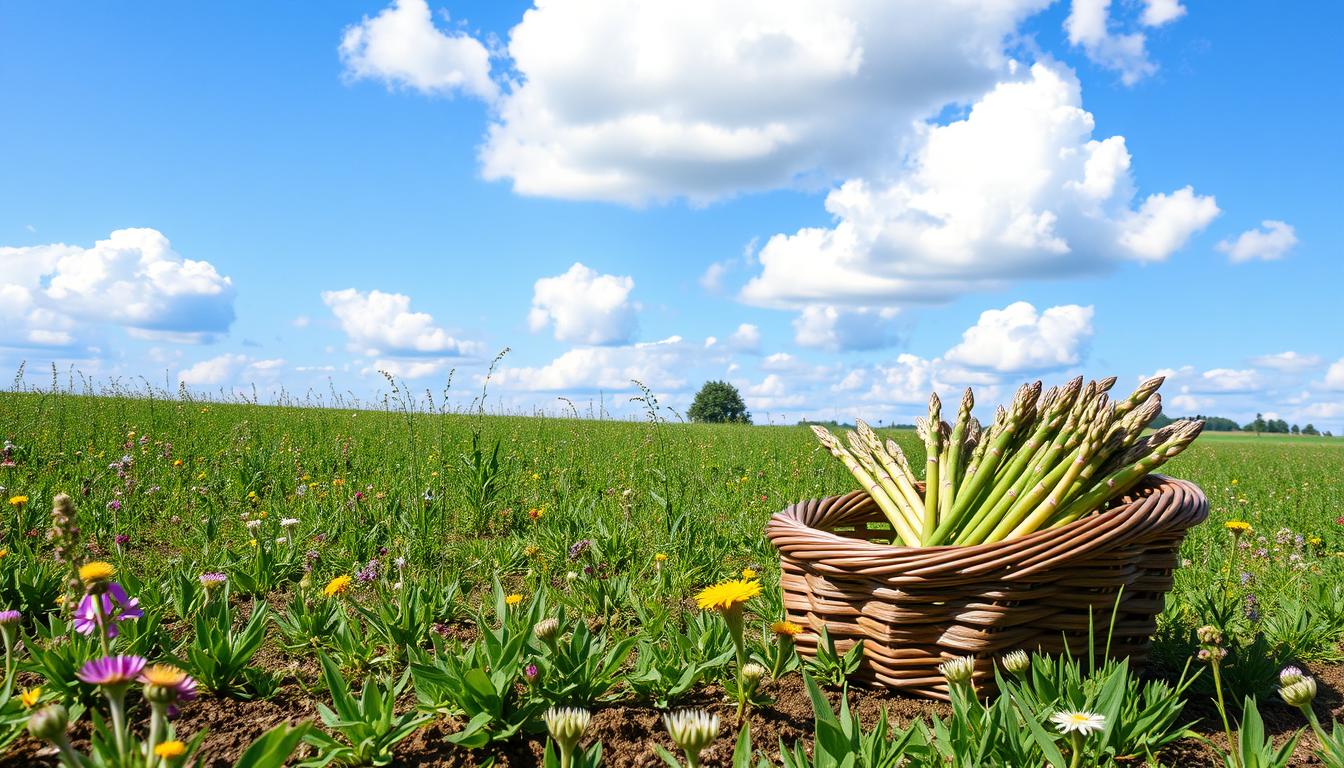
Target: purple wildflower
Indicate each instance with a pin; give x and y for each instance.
(10, 617)
(368, 573)
(114, 505)
(111, 671)
(576, 551)
(122, 539)
(212, 579)
(117, 606)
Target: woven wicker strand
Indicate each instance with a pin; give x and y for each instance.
(916, 607)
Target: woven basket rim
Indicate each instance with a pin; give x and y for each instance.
(1158, 505)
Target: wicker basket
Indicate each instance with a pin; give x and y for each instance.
(914, 608)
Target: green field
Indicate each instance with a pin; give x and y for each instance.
(285, 499)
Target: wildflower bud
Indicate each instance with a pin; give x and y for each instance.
(49, 723)
(692, 730)
(1209, 635)
(1300, 693)
(1017, 662)
(547, 630)
(751, 675)
(9, 618)
(531, 674)
(566, 725)
(1290, 675)
(958, 671)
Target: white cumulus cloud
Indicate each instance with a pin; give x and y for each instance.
(647, 100)
(1018, 338)
(1018, 188)
(1288, 361)
(229, 369)
(402, 47)
(1272, 241)
(839, 328)
(585, 307)
(1090, 26)
(1334, 376)
(659, 364)
(133, 279)
(377, 323)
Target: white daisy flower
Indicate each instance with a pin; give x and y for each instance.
(1078, 722)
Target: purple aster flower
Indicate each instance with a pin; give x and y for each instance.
(117, 606)
(111, 671)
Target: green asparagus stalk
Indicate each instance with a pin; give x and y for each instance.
(955, 447)
(933, 446)
(884, 502)
(1125, 478)
(897, 470)
(872, 463)
(1022, 402)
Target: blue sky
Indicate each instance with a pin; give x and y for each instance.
(858, 203)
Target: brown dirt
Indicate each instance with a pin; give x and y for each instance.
(629, 731)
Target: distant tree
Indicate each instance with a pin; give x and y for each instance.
(718, 402)
(1277, 426)
(1217, 424)
(1295, 430)
(1256, 426)
(1310, 429)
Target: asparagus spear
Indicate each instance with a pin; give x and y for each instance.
(1125, 478)
(872, 463)
(884, 502)
(933, 446)
(955, 447)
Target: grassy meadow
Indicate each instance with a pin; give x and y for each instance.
(620, 523)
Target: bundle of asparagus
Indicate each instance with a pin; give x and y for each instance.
(1048, 459)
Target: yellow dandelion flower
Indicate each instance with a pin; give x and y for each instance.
(170, 749)
(177, 462)
(748, 573)
(660, 558)
(513, 599)
(336, 586)
(1234, 481)
(1237, 527)
(727, 595)
(531, 550)
(3, 553)
(785, 628)
(96, 571)
(28, 697)
(17, 501)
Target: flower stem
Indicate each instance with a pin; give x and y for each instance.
(1077, 758)
(101, 618)
(1222, 712)
(158, 714)
(116, 704)
(68, 757)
